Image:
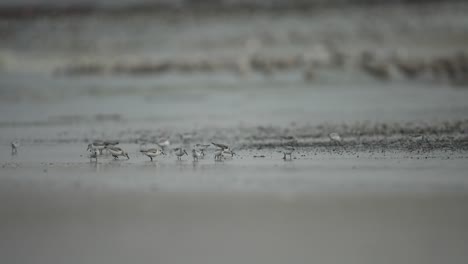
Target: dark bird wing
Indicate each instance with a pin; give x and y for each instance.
(222, 146)
(116, 149)
(111, 142)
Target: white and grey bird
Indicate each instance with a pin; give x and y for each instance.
(116, 152)
(96, 145)
(109, 143)
(152, 153)
(222, 154)
(196, 154)
(179, 152)
(335, 137)
(14, 147)
(288, 151)
(218, 155)
(225, 148)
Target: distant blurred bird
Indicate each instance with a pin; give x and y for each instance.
(222, 151)
(14, 147)
(335, 137)
(196, 154)
(202, 148)
(288, 150)
(110, 143)
(96, 145)
(228, 153)
(93, 155)
(218, 155)
(221, 154)
(151, 153)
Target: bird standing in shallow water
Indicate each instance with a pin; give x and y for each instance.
(221, 154)
(218, 155)
(222, 151)
(93, 155)
(335, 137)
(180, 152)
(14, 147)
(288, 150)
(96, 145)
(151, 153)
(116, 152)
(202, 148)
(196, 154)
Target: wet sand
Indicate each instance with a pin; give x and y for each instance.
(71, 226)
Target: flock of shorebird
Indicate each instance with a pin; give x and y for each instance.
(97, 147)
(222, 151)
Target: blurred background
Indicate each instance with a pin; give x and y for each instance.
(224, 63)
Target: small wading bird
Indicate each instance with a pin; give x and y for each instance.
(288, 150)
(151, 153)
(96, 145)
(116, 152)
(93, 155)
(202, 148)
(335, 137)
(14, 147)
(223, 151)
(218, 154)
(223, 154)
(196, 154)
(180, 152)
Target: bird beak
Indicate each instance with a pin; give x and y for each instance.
(185, 152)
(127, 156)
(164, 153)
